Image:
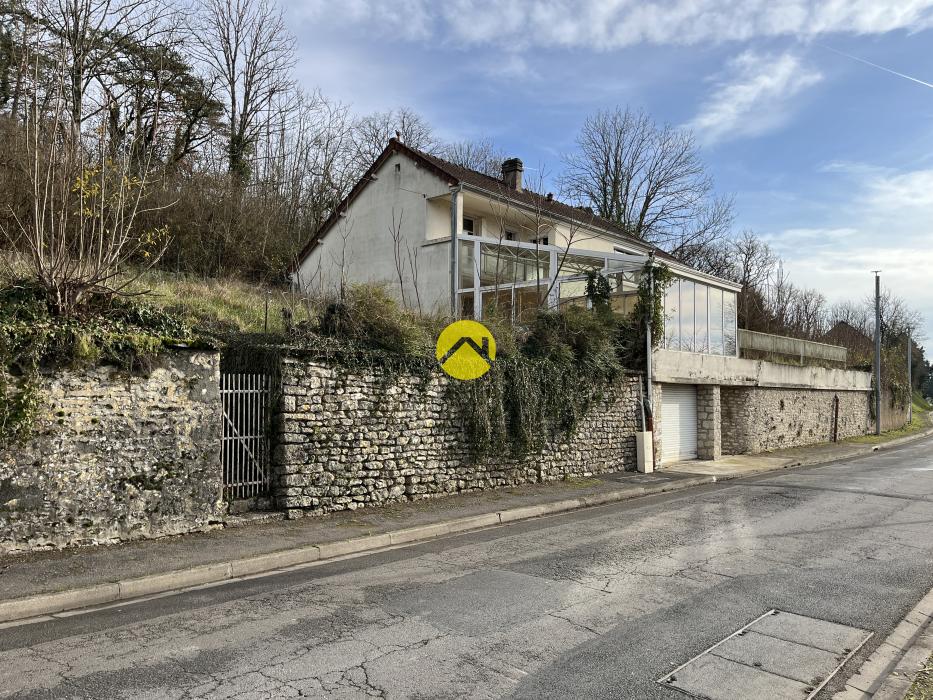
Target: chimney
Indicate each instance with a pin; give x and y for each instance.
(512, 170)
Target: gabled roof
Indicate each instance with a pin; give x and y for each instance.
(458, 175)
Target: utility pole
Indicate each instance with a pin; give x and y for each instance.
(649, 322)
(877, 352)
(910, 381)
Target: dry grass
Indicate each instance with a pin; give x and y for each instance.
(922, 687)
(919, 422)
(232, 304)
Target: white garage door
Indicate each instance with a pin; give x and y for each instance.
(678, 422)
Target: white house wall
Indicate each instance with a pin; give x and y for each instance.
(361, 243)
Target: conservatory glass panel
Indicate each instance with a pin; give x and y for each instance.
(498, 304)
(466, 264)
(672, 316)
(527, 302)
(573, 265)
(701, 316)
(686, 315)
(466, 305)
(729, 322)
(715, 321)
(507, 265)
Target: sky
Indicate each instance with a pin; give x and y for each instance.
(827, 157)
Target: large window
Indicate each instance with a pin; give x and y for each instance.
(687, 327)
(672, 316)
(699, 318)
(505, 265)
(715, 321)
(728, 323)
(701, 304)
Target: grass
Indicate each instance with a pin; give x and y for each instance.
(922, 687)
(223, 303)
(919, 422)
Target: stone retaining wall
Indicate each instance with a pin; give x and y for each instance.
(759, 419)
(117, 457)
(347, 440)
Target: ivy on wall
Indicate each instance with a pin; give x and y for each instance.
(32, 339)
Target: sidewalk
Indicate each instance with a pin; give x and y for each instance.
(50, 582)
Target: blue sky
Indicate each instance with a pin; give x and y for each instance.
(829, 158)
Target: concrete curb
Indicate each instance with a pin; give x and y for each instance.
(108, 593)
(886, 674)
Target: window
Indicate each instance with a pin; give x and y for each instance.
(466, 305)
(686, 315)
(728, 323)
(504, 265)
(468, 226)
(574, 265)
(715, 321)
(672, 316)
(701, 316)
(467, 265)
(510, 236)
(542, 240)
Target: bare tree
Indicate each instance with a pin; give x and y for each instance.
(371, 134)
(481, 155)
(395, 232)
(754, 263)
(647, 179)
(249, 52)
(81, 231)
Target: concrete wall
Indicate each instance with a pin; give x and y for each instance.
(361, 243)
(694, 368)
(117, 457)
(892, 415)
(348, 440)
(790, 347)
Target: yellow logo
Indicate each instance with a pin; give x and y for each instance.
(465, 350)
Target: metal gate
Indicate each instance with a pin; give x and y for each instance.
(245, 442)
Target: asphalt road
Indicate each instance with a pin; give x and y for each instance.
(594, 604)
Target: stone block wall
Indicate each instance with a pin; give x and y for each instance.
(709, 417)
(117, 457)
(347, 440)
(759, 419)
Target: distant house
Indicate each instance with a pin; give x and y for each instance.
(516, 250)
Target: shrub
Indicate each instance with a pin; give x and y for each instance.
(368, 318)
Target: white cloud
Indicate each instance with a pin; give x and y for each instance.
(902, 194)
(884, 223)
(613, 24)
(753, 96)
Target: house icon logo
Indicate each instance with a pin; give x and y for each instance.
(465, 350)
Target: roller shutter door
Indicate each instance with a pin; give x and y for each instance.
(678, 423)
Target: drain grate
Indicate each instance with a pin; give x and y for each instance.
(778, 655)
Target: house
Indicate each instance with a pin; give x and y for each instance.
(516, 250)
(453, 240)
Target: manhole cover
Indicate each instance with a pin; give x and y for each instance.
(778, 655)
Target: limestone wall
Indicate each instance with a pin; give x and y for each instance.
(117, 457)
(352, 440)
(760, 419)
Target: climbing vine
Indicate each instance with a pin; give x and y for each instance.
(32, 339)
